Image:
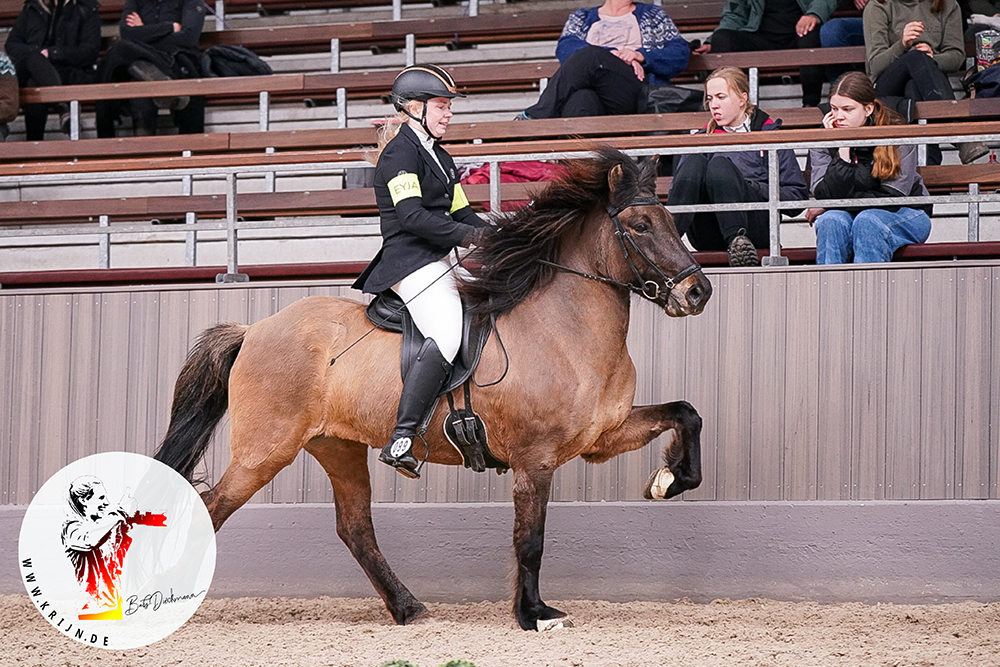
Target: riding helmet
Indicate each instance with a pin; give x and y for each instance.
(422, 82)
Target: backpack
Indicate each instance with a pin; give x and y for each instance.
(9, 91)
(673, 99)
(986, 83)
(233, 61)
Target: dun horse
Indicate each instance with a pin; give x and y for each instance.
(557, 277)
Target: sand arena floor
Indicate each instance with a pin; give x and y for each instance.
(274, 632)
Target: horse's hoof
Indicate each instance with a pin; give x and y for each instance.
(658, 484)
(553, 624)
(411, 614)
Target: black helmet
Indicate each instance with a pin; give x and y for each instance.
(422, 82)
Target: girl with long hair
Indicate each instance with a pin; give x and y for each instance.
(869, 233)
(719, 178)
(424, 217)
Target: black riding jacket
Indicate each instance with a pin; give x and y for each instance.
(424, 212)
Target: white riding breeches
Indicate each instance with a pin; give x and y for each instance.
(431, 296)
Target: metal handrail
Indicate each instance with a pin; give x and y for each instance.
(233, 224)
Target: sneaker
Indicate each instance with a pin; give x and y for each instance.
(972, 151)
(742, 251)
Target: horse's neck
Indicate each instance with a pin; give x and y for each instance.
(596, 313)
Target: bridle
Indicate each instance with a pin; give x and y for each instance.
(649, 289)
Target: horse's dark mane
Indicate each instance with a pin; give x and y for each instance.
(506, 263)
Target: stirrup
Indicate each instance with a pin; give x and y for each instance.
(399, 454)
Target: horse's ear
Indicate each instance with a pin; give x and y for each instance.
(615, 177)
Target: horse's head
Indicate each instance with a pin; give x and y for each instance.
(651, 255)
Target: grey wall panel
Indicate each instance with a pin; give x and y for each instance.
(860, 384)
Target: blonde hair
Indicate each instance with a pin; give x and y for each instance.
(388, 130)
(737, 80)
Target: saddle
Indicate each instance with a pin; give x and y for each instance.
(464, 429)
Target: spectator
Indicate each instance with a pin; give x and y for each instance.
(706, 178)
(607, 54)
(764, 25)
(911, 46)
(988, 8)
(874, 233)
(844, 31)
(54, 43)
(159, 41)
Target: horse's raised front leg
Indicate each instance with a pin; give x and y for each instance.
(346, 464)
(531, 496)
(682, 456)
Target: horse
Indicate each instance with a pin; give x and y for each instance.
(556, 279)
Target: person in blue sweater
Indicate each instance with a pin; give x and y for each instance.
(608, 55)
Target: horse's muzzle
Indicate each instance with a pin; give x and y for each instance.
(689, 296)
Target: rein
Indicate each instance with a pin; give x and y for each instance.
(649, 289)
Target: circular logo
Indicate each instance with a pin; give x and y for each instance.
(117, 550)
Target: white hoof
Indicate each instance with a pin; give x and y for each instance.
(552, 624)
(658, 483)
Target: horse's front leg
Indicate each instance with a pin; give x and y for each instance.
(531, 496)
(682, 456)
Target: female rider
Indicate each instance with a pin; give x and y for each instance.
(424, 216)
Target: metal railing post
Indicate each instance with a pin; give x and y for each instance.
(342, 107)
(754, 75)
(190, 218)
(495, 187)
(973, 213)
(335, 55)
(773, 212)
(473, 7)
(220, 15)
(270, 178)
(922, 148)
(232, 274)
(397, 10)
(104, 245)
(264, 111)
(74, 120)
(411, 49)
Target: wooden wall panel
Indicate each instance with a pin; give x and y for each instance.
(859, 383)
(801, 400)
(868, 387)
(974, 359)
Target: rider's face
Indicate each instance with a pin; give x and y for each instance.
(438, 115)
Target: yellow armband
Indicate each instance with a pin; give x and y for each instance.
(404, 186)
(458, 200)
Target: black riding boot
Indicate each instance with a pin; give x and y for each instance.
(421, 387)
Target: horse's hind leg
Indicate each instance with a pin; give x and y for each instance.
(239, 483)
(346, 464)
(531, 496)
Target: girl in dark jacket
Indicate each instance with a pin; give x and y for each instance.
(864, 234)
(54, 43)
(706, 178)
(424, 217)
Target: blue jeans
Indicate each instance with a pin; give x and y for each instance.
(872, 235)
(842, 32)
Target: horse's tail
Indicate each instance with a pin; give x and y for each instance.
(201, 397)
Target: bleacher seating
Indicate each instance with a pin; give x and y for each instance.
(527, 22)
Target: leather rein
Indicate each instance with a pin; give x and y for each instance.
(649, 289)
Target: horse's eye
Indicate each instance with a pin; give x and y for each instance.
(641, 228)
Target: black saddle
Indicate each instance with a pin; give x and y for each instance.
(464, 428)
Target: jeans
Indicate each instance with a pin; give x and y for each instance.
(872, 235)
(841, 32)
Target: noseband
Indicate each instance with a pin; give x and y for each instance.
(649, 289)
